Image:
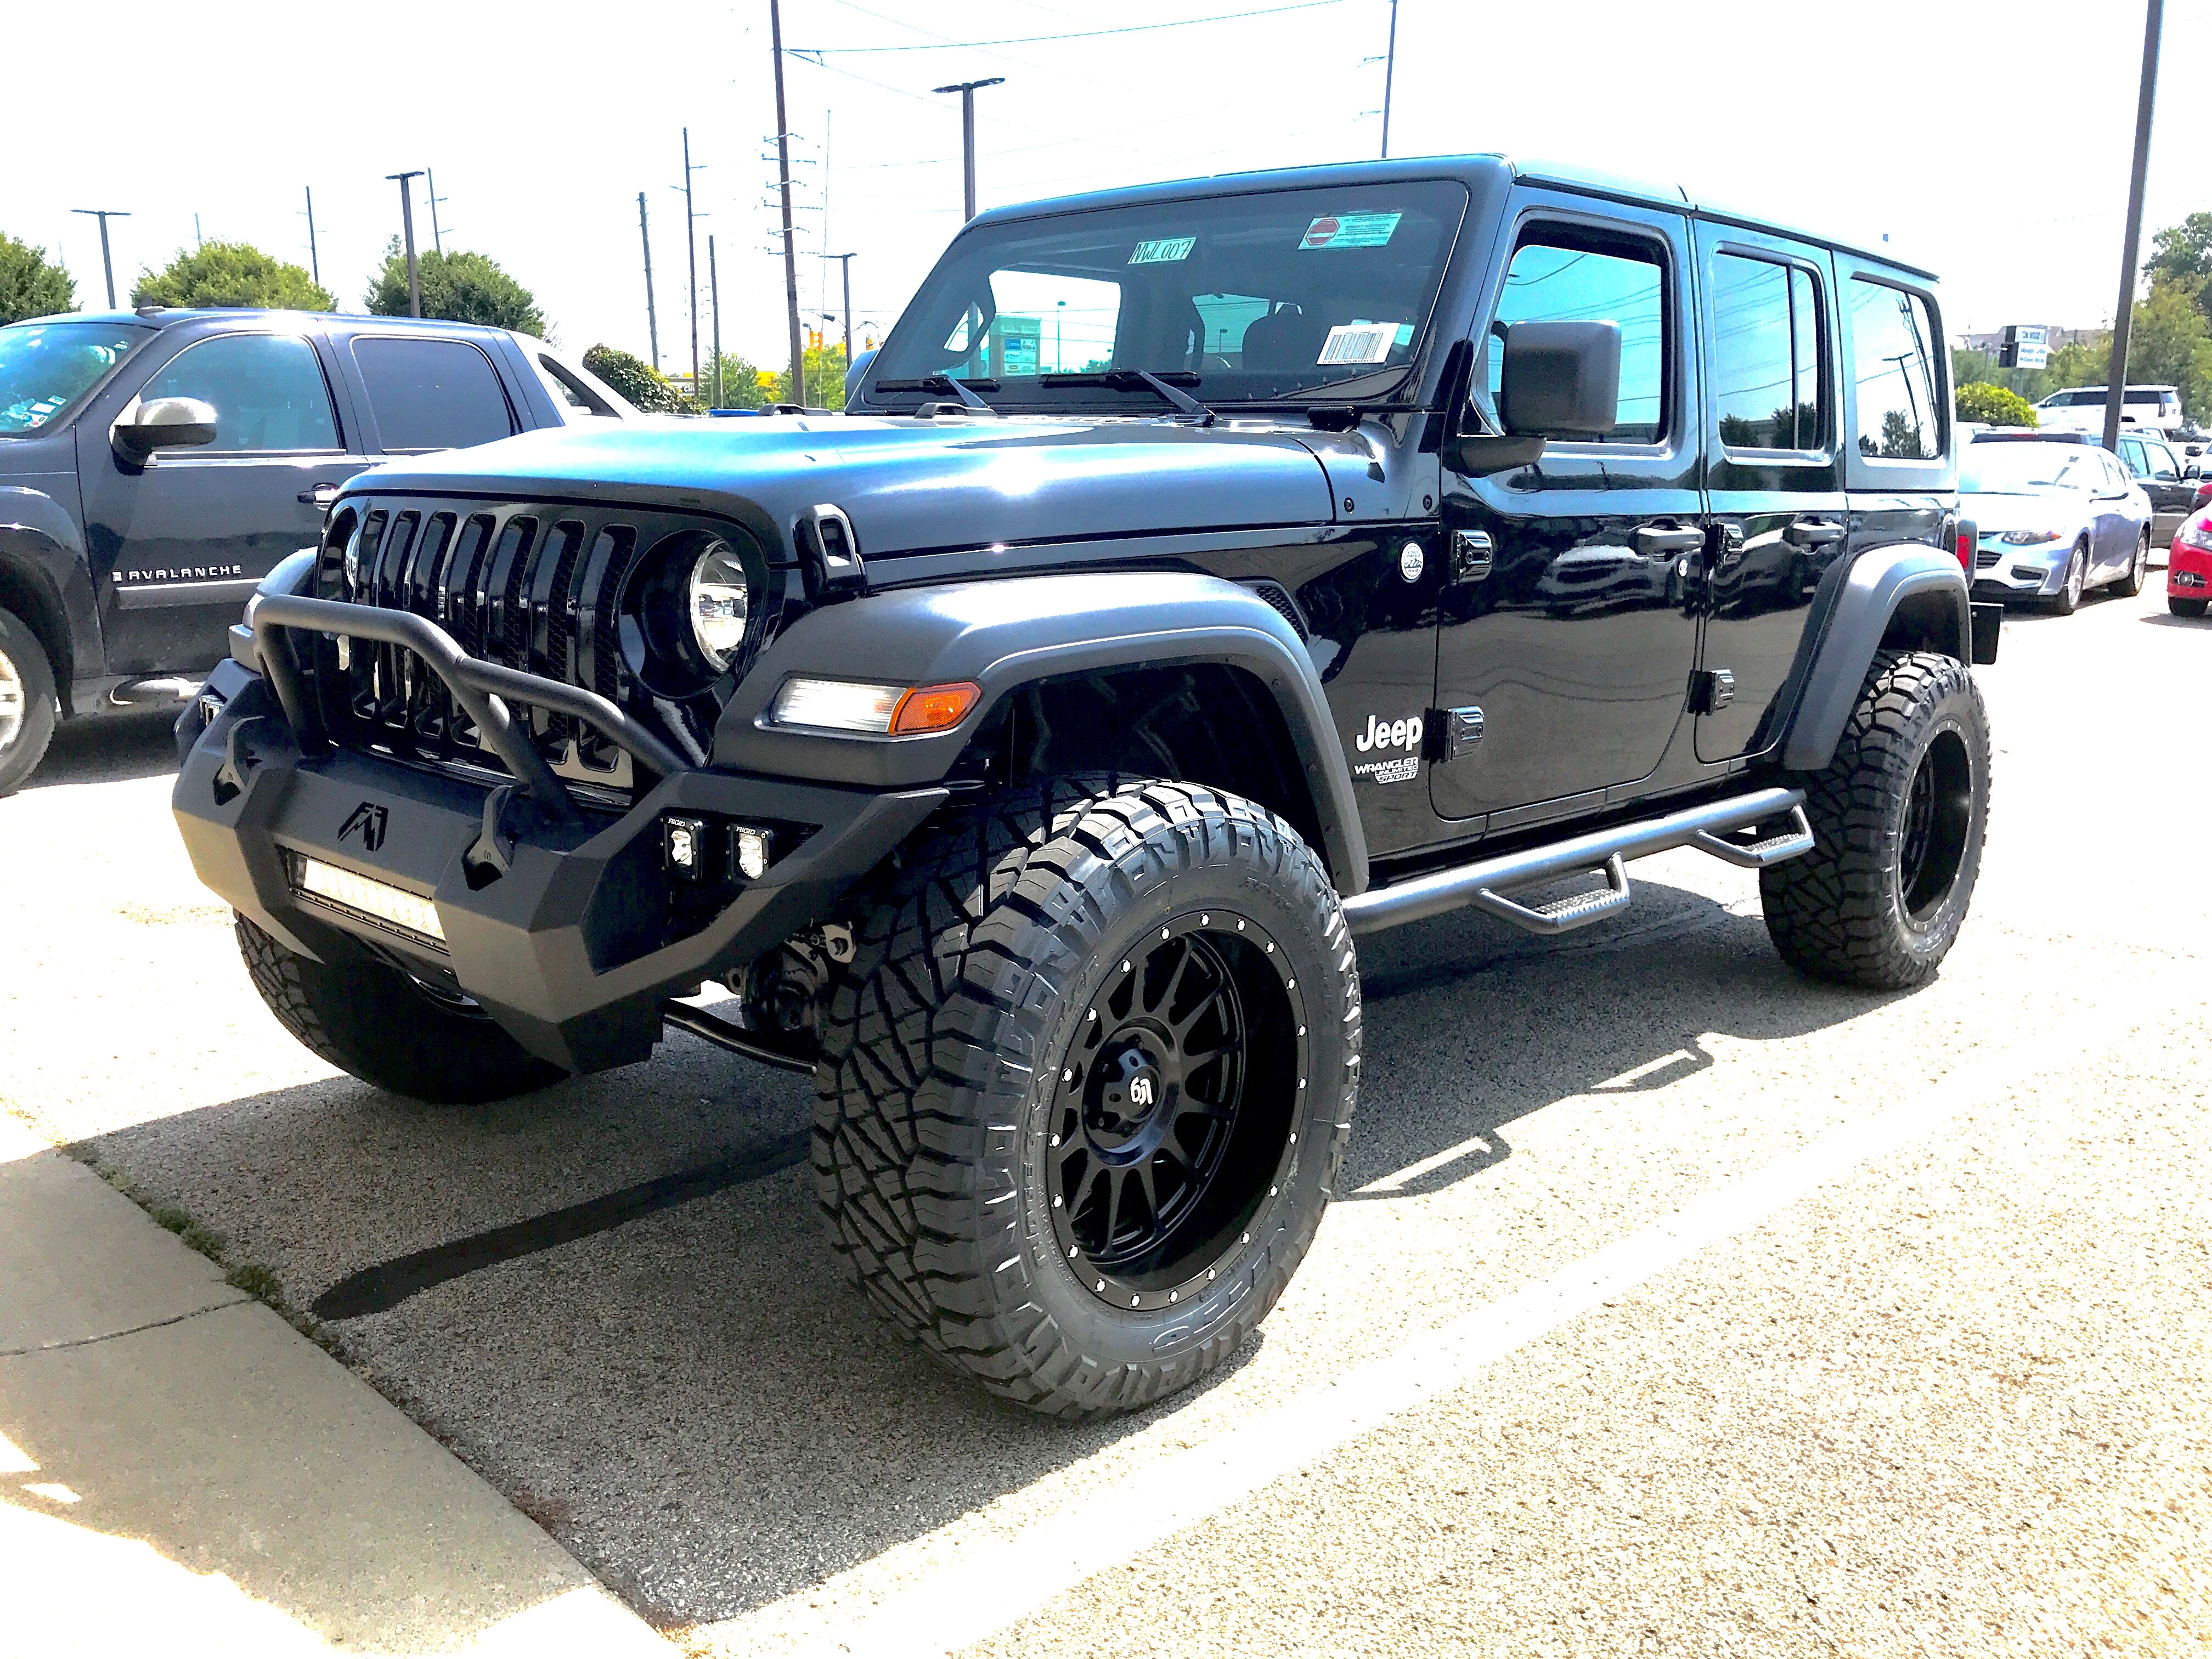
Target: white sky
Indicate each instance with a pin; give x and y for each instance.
(1989, 138)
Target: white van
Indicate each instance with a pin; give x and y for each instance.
(2081, 409)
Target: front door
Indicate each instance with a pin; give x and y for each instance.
(1564, 621)
(179, 543)
(1775, 474)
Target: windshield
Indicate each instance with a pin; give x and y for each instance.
(47, 368)
(2014, 469)
(1271, 297)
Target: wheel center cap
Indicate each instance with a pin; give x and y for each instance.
(1129, 1093)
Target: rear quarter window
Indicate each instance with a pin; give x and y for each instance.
(432, 394)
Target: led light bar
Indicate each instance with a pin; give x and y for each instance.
(377, 900)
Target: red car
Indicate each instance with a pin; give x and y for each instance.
(2189, 566)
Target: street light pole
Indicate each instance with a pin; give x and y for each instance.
(106, 259)
(314, 264)
(714, 298)
(407, 227)
(790, 249)
(1390, 74)
(691, 258)
(967, 91)
(652, 317)
(2117, 376)
(430, 188)
(845, 265)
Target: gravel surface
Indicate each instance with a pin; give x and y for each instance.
(699, 1408)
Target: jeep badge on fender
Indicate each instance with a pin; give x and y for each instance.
(1030, 774)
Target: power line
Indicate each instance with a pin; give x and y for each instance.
(943, 45)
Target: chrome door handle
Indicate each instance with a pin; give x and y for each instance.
(321, 496)
(1654, 541)
(1813, 532)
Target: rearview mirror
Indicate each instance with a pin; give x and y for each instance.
(165, 423)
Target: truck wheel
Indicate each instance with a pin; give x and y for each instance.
(1898, 819)
(2187, 607)
(2131, 580)
(389, 1028)
(1086, 1086)
(27, 702)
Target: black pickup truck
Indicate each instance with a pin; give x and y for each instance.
(155, 464)
(1201, 577)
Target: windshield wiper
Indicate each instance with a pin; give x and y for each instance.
(1128, 380)
(942, 383)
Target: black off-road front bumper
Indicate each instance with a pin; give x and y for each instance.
(562, 919)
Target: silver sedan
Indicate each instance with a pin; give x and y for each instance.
(2055, 519)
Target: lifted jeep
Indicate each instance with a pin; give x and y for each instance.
(1202, 576)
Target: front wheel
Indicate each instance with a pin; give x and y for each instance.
(1898, 819)
(1086, 1086)
(2068, 599)
(26, 701)
(2131, 580)
(389, 1028)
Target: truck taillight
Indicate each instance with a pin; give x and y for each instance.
(1966, 551)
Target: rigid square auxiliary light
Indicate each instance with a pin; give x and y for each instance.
(699, 849)
(381, 900)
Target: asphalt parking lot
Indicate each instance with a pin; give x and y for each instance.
(1674, 1303)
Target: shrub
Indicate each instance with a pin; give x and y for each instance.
(231, 275)
(1978, 400)
(636, 380)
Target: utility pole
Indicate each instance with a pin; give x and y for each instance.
(845, 263)
(652, 318)
(783, 172)
(967, 91)
(106, 259)
(314, 264)
(407, 226)
(430, 185)
(691, 254)
(199, 240)
(1390, 74)
(714, 298)
(2116, 378)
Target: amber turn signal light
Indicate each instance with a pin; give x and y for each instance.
(934, 707)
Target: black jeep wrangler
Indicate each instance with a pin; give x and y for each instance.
(1202, 576)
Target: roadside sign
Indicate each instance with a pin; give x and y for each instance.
(2026, 345)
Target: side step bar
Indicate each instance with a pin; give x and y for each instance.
(1715, 828)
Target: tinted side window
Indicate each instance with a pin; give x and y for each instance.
(267, 392)
(1765, 325)
(1550, 282)
(432, 394)
(2163, 466)
(1892, 346)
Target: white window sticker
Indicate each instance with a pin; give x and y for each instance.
(1358, 342)
(1351, 230)
(1163, 252)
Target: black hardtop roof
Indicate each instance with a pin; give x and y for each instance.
(1467, 169)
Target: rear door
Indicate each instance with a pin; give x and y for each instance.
(1895, 407)
(181, 541)
(1570, 635)
(1774, 473)
(427, 393)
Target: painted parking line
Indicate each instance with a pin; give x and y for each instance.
(954, 1592)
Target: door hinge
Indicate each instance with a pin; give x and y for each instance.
(1473, 554)
(1711, 689)
(1452, 732)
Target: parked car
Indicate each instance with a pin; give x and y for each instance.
(2081, 408)
(155, 464)
(2171, 483)
(2188, 566)
(2057, 515)
(1025, 748)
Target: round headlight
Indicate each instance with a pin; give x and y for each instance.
(721, 603)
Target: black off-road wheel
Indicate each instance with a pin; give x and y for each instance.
(1086, 1086)
(1897, 820)
(390, 1029)
(27, 702)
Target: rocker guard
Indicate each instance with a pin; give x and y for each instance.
(541, 947)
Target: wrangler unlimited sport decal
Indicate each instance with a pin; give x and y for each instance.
(1383, 734)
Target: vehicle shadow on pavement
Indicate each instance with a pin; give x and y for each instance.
(693, 1398)
(109, 749)
(2167, 619)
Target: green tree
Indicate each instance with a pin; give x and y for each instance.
(741, 386)
(825, 368)
(29, 287)
(460, 288)
(2184, 250)
(2169, 343)
(230, 274)
(2083, 362)
(637, 380)
(1977, 400)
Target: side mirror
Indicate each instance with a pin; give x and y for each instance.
(1558, 381)
(165, 423)
(2192, 471)
(856, 371)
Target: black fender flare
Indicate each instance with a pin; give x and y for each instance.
(1880, 583)
(1006, 634)
(45, 577)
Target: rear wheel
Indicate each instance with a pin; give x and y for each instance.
(1087, 1086)
(390, 1029)
(2131, 580)
(26, 701)
(1898, 819)
(2068, 599)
